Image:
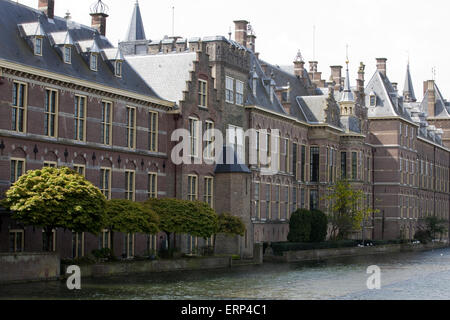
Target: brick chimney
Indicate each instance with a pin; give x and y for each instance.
(381, 65)
(251, 42)
(99, 22)
(336, 75)
(47, 7)
(240, 32)
(429, 86)
(299, 68)
(360, 82)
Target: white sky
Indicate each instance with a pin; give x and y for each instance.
(381, 28)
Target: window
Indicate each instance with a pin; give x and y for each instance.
(268, 201)
(19, 107)
(209, 191)
(153, 131)
(152, 185)
(46, 244)
(105, 182)
(239, 93)
(77, 245)
(284, 152)
(17, 169)
(192, 244)
(354, 165)
(130, 181)
(303, 168)
(38, 46)
(373, 100)
(80, 118)
(313, 200)
(294, 160)
(152, 244)
(106, 123)
(118, 68)
(235, 138)
(192, 188)
(51, 113)
(194, 136)
(286, 202)
(67, 54)
(315, 163)
(80, 169)
(50, 164)
(277, 202)
(16, 240)
(294, 200)
(93, 61)
(209, 150)
(331, 164)
(104, 240)
(131, 127)
(128, 245)
(229, 90)
(202, 93)
(257, 200)
(302, 199)
(344, 165)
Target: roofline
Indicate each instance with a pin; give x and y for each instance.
(394, 118)
(89, 84)
(432, 143)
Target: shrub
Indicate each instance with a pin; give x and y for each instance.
(280, 247)
(319, 226)
(424, 236)
(300, 226)
(102, 254)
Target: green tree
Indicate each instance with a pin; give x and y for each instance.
(347, 211)
(229, 225)
(300, 226)
(319, 226)
(129, 217)
(435, 226)
(56, 198)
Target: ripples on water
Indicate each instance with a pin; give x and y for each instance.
(423, 275)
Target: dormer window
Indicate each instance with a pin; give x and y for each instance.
(93, 61)
(38, 46)
(373, 100)
(67, 54)
(118, 68)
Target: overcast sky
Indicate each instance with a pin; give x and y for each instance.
(394, 29)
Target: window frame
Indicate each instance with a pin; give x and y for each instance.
(67, 54)
(194, 136)
(16, 108)
(48, 113)
(78, 118)
(107, 125)
(192, 195)
(130, 185)
(131, 127)
(153, 131)
(77, 167)
(16, 232)
(118, 68)
(202, 93)
(39, 52)
(208, 195)
(239, 97)
(93, 61)
(152, 183)
(103, 171)
(229, 93)
(16, 176)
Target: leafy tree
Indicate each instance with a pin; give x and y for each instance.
(229, 225)
(319, 226)
(433, 226)
(300, 226)
(347, 213)
(129, 217)
(56, 198)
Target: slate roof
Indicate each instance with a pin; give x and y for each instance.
(441, 107)
(167, 74)
(230, 166)
(17, 49)
(409, 88)
(136, 28)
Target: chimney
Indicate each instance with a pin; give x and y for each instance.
(299, 68)
(381, 65)
(336, 75)
(429, 85)
(360, 82)
(47, 7)
(99, 15)
(240, 32)
(251, 38)
(313, 66)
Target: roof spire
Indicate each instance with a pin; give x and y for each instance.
(136, 28)
(347, 95)
(408, 90)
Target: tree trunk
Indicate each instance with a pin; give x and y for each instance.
(214, 244)
(168, 240)
(48, 236)
(112, 244)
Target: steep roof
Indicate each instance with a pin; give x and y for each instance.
(441, 106)
(408, 89)
(136, 28)
(167, 74)
(16, 48)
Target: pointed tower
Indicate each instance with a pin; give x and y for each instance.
(347, 101)
(136, 29)
(408, 90)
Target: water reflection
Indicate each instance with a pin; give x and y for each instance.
(424, 275)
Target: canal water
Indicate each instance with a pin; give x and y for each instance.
(406, 276)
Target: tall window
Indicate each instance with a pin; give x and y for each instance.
(239, 93)
(202, 93)
(313, 200)
(235, 138)
(131, 127)
(93, 62)
(16, 240)
(152, 185)
(284, 152)
(153, 131)
(130, 180)
(268, 201)
(106, 122)
(77, 245)
(229, 90)
(331, 164)
(80, 118)
(105, 182)
(257, 200)
(19, 107)
(315, 162)
(303, 168)
(354, 165)
(192, 188)
(344, 165)
(118, 68)
(294, 160)
(294, 199)
(51, 244)
(302, 198)
(38, 46)
(104, 240)
(80, 169)
(209, 150)
(276, 203)
(51, 113)
(194, 133)
(17, 169)
(209, 191)
(67, 54)
(128, 245)
(286, 202)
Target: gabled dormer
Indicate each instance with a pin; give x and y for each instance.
(90, 51)
(63, 43)
(114, 58)
(34, 34)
